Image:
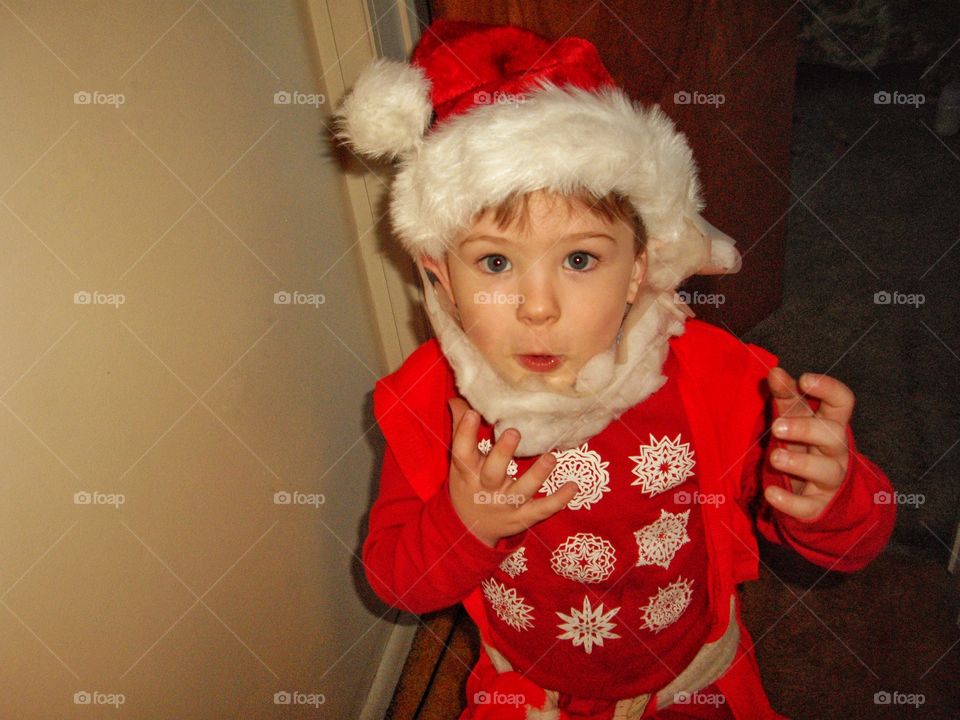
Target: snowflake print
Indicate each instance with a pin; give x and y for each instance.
(584, 558)
(663, 464)
(508, 606)
(485, 446)
(588, 627)
(515, 563)
(587, 469)
(659, 541)
(667, 605)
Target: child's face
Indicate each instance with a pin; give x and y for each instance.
(559, 287)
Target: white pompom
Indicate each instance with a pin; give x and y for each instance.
(387, 111)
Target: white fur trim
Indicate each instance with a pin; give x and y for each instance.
(561, 139)
(543, 714)
(724, 257)
(387, 111)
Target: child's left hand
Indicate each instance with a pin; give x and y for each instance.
(816, 454)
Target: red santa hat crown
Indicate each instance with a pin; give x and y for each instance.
(484, 111)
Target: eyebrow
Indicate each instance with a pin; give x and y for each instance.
(566, 238)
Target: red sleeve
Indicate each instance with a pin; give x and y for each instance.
(852, 529)
(418, 555)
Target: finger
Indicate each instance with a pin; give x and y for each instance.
(540, 509)
(532, 480)
(787, 398)
(458, 406)
(797, 506)
(466, 422)
(826, 473)
(826, 436)
(836, 399)
(493, 473)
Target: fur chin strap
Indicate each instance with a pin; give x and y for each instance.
(607, 385)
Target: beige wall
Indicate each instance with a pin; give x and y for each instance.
(198, 397)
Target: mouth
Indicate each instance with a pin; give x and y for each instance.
(540, 363)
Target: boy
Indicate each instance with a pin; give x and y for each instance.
(571, 457)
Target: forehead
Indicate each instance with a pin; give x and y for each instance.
(541, 216)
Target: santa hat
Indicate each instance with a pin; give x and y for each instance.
(484, 111)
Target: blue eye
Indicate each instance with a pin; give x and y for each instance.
(581, 260)
(495, 263)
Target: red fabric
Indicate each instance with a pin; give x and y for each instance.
(420, 557)
(469, 63)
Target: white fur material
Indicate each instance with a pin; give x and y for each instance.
(561, 139)
(387, 111)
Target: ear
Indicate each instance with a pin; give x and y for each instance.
(636, 279)
(441, 271)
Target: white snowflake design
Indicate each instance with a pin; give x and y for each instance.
(659, 541)
(508, 606)
(485, 446)
(667, 605)
(515, 563)
(663, 464)
(586, 468)
(584, 557)
(589, 626)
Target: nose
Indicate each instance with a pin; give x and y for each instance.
(538, 303)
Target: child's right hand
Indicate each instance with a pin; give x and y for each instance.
(489, 504)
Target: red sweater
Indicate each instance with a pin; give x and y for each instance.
(631, 574)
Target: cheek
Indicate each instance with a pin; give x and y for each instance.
(598, 318)
(483, 323)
